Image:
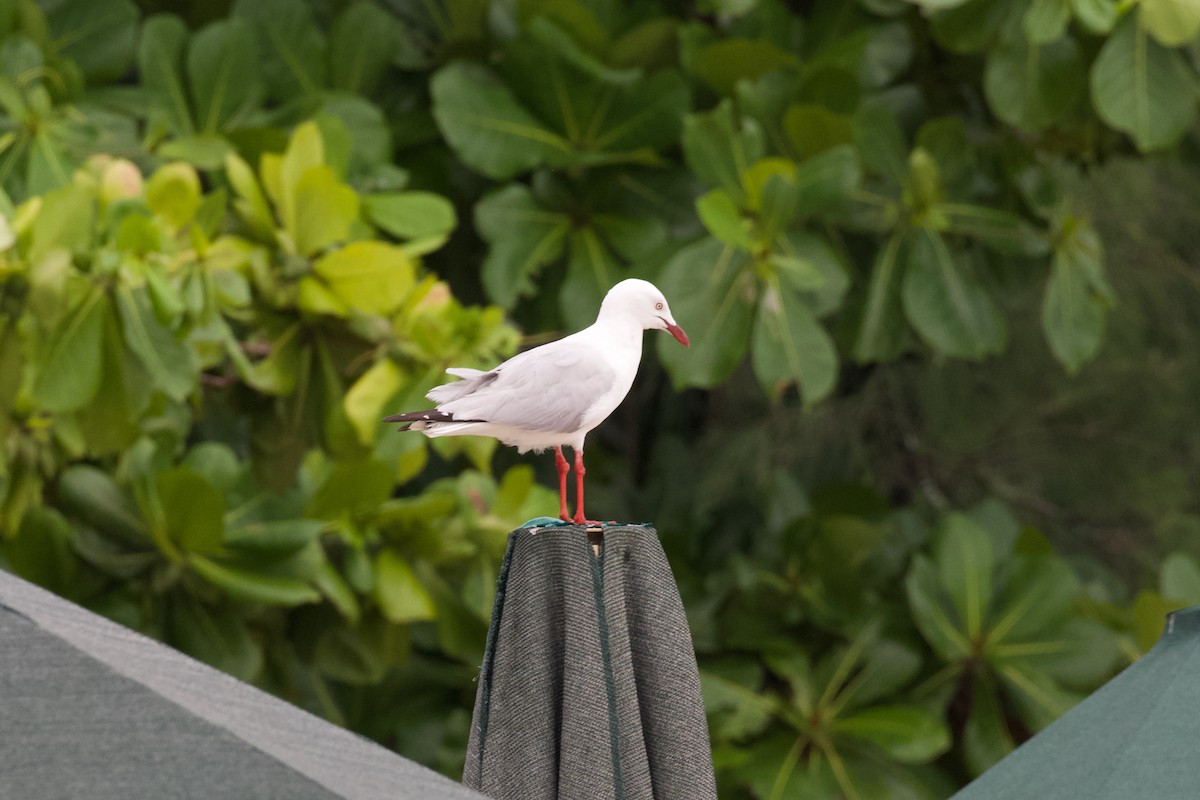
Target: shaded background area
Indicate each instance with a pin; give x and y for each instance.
(924, 477)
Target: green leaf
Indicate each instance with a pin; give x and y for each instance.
(909, 735)
(880, 335)
(251, 203)
(881, 144)
(813, 129)
(98, 36)
(223, 72)
(486, 125)
(732, 701)
(1149, 613)
(1143, 88)
(216, 636)
(338, 591)
(89, 494)
(365, 400)
(827, 179)
(372, 277)
(790, 346)
(1097, 16)
(951, 311)
(1171, 22)
(160, 65)
(292, 47)
(254, 587)
(194, 510)
(724, 220)
(986, 737)
(41, 551)
(70, 370)
(401, 597)
(275, 538)
(362, 44)
(719, 149)
(712, 294)
(325, 209)
(930, 614)
(524, 237)
(173, 193)
(65, 220)
(1031, 86)
(1003, 231)
(965, 561)
(553, 38)
(411, 215)
(724, 63)
(1078, 295)
(1046, 20)
(1180, 579)
(170, 363)
(351, 488)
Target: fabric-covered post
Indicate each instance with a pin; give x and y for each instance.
(589, 688)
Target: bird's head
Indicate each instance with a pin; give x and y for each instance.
(645, 304)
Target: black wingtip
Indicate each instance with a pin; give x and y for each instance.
(432, 415)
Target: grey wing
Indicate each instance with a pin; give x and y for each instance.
(548, 388)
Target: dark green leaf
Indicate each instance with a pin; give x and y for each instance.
(1032, 86)
(719, 149)
(524, 237)
(290, 43)
(362, 44)
(712, 294)
(193, 509)
(486, 125)
(946, 305)
(791, 347)
(1143, 88)
(909, 735)
(98, 35)
(160, 64)
(170, 363)
(880, 334)
(222, 70)
(254, 587)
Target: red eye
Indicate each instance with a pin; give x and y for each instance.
(658, 306)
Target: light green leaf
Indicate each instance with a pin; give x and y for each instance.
(1046, 20)
(338, 591)
(951, 311)
(70, 369)
(254, 587)
(222, 69)
(365, 400)
(908, 734)
(65, 220)
(1180, 579)
(724, 219)
(250, 202)
(401, 597)
(173, 193)
(1171, 22)
(373, 277)
(1097, 16)
(791, 347)
(1143, 88)
(486, 125)
(325, 209)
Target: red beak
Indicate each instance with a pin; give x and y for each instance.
(679, 335)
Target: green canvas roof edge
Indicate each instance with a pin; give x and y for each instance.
(1123, 740)
(343, 762)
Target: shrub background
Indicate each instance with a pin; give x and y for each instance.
(924, 477)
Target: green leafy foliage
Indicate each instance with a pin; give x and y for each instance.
(233, 237)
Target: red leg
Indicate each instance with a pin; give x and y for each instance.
(580, 519)
(563, 468)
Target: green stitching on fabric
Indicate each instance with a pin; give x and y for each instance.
(610, 684)
(489, 648)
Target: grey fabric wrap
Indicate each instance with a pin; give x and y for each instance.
(589, 688)
(89, 709)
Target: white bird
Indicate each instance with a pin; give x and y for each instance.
(555, 394)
